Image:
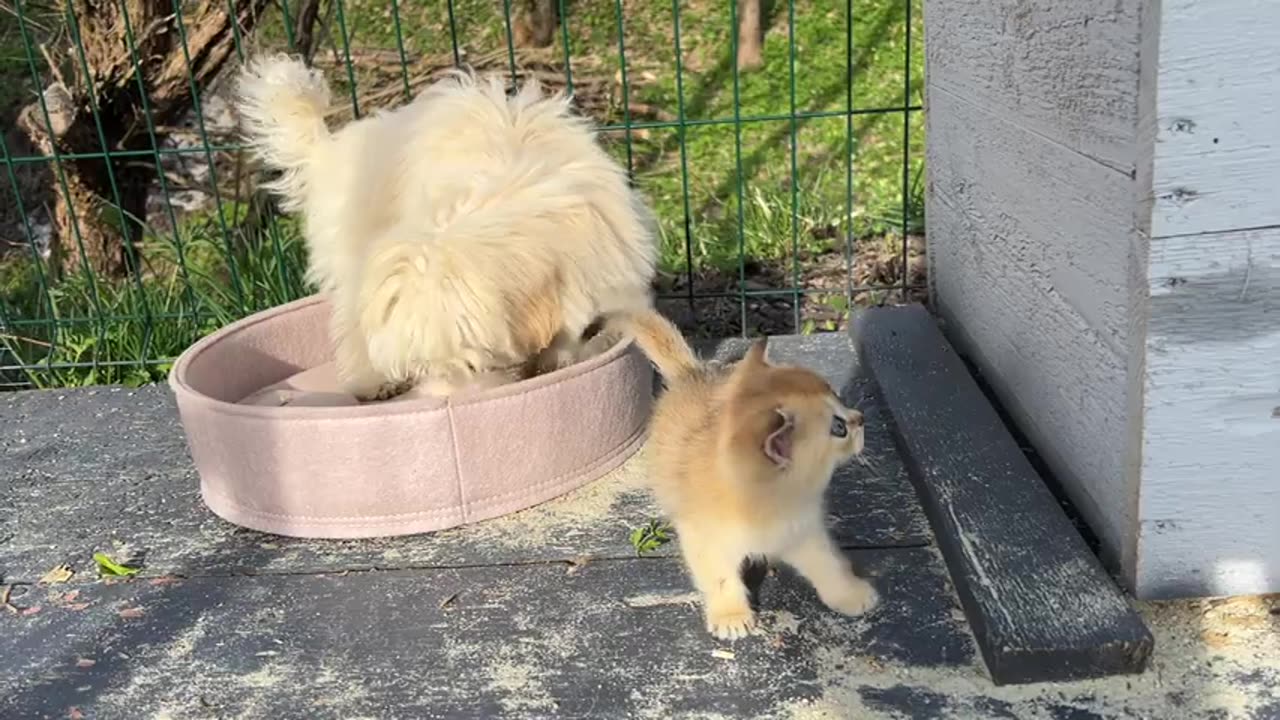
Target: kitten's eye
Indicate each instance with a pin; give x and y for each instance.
(838, 427)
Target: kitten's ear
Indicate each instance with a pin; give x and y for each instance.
(778, 444)
(756, 354)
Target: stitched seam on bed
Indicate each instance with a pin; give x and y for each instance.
(457, 463)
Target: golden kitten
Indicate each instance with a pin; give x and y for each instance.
(457, 236)
(740, 459)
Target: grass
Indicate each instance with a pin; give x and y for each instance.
(699, 167)
(87, 331)
(774, 202)
(14, 76)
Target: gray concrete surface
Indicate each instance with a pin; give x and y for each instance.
(545, 613)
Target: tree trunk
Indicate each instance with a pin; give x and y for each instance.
(89, 226)
(84, 237)
(750, 35)
(304, 38)
(535, 23)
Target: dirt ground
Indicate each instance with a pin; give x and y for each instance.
(1213, 659)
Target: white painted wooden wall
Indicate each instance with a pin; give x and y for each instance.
(1104, 242)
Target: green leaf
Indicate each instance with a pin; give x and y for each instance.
(650, 537)
(111, 568)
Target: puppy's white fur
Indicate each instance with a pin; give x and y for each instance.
(457, 236)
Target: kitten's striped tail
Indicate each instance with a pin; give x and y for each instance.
(662, 342)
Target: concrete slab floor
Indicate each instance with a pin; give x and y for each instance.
(547, 613)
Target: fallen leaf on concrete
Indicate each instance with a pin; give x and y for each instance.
(31, 610)
(111, 568)
(73, 713)
(86, 662)
(723, 654)
(132, 613)
(59, 574)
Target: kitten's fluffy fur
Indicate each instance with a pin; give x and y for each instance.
(740, 459)
(457, 236)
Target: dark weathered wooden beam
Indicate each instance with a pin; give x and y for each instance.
(1041, 605)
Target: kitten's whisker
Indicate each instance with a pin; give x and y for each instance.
(871, 463)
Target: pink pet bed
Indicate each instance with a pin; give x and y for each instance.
(279, 448)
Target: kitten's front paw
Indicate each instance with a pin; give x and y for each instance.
(731, 624)
(854, 598)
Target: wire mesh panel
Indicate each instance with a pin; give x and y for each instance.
(785, 164)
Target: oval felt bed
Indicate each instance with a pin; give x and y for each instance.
(281, 449)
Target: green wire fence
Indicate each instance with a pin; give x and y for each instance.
(131, 223)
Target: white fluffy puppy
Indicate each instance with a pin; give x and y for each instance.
(458, 236)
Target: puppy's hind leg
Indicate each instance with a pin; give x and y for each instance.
(562, 352)
(355, 369)
(599, 343)
(569, 348)
(391, 317)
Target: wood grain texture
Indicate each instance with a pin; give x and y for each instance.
(1207, 460)
(1210, 493)
(1066, 71)
(1065, 281)
(1028, 264)
(1217, 151)
(1041, 606)
(1137, 285)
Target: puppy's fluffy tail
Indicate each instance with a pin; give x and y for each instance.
(661, 341)
(282, 105)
